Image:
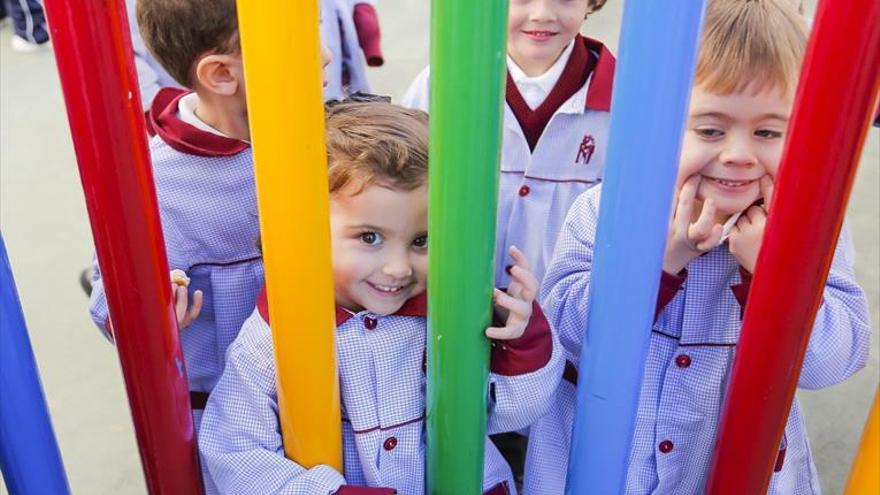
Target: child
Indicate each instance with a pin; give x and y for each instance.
(739, 110)
(555, 124)
(378, 215)
(203, 171)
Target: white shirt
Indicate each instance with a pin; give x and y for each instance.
(534, 90)
(186, 111)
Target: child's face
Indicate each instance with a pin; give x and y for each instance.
(538, 30)
(380, 247)
(731, 141)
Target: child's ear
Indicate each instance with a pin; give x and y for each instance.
(220, 73)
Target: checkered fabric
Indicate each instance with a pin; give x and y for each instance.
(209, 219)
(688, 366)
(382, 386)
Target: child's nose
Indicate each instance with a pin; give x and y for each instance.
(398, 267)
(541, 10)
(739, 151)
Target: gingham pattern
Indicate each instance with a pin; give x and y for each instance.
(383, 406)
(682, 404)
(209, 220)
(550, 174)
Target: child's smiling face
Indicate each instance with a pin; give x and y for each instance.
(380, 247)
(731, 141)
(539, 30)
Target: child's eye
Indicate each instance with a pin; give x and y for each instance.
(708, 132)
(768, 134)
(371, 238)
(420, 241)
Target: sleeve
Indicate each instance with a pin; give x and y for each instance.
(240, 438)
(417, 95)
(524, 375)
(566, 286)
(841, 336)
(366, 23)
(98, 309)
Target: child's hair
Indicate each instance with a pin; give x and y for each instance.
(596, 5)
(179, 32)
(756, 44)
(376, 143)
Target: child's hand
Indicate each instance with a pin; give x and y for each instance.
(688, 239)
(186, 314)
(746, 236)
(515, 306)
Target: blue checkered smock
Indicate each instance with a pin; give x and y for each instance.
(382, 385)
(692, 347)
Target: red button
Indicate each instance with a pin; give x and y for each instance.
(524, 191)
(390, 443)
(665, 446)
(683, 361)
(370, 323)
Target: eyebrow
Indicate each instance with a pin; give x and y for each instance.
(724, 116)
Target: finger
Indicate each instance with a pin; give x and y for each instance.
(702, 228)
(516, 307)
(685, 207)
(527, 282)
(755, 213)
(498, 333)
(713, 239)
(181, 301)
(196, 307)
(767, 187)
(519, 258)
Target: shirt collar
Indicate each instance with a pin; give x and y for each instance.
(535, 89)
(185, 137)
(186, 111)
(415, 306)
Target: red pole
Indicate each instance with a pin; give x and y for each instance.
(93, 50)
(838, 88)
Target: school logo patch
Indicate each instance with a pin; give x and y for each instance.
(586, 150)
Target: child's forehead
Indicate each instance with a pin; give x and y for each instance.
(745, 99)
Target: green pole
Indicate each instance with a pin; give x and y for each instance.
(468, 50)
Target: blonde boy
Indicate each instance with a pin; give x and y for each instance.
(739, 110)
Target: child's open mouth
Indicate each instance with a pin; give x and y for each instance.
(729, 183)
(391, 290)
(539, 35)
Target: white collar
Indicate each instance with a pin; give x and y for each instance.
(728, 226)
(535, 90)
(186, 109)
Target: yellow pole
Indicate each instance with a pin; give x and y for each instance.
(864, 479)
(286, 114)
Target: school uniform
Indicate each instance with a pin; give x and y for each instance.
(347, 72)
(690, 356)
(207, 205)
(550, 153)
(381, 362)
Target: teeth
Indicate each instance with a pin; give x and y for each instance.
(732, 183)
(387, 288)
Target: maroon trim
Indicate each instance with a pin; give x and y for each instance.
(570, 374)
(225, 263)
(528, 353)
(198, 400)
(532, 122)
(780, 460)
(415, 306)
(385, 428)
(545, 179)
(364, 490)
(602, 83)
(669, 287)
(182, 136)
(498, 489)
(741, 290)
(366, 23)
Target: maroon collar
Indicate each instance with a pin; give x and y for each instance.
(587, 57)
(415, 306)
(162, 119)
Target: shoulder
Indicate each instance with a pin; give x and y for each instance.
(253, 344)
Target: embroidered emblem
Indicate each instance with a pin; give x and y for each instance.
(586, 150)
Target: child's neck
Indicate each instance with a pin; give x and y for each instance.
(227, 114)
(535, 68)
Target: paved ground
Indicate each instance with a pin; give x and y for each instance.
(44, 222)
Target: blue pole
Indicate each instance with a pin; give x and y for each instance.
(658, 46)
(29, 456)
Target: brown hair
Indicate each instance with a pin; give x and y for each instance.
(596, 5)
(179, 32)
(376, 142)
(758, 44)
